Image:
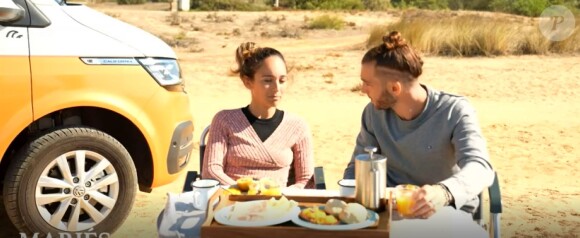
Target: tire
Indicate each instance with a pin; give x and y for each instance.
(98, 199)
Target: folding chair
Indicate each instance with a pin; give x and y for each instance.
(495, 209)
(318, 178)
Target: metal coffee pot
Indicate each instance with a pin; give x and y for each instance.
(371, 179)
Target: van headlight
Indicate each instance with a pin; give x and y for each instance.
(165, 71)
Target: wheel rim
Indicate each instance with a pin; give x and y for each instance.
(77, 190)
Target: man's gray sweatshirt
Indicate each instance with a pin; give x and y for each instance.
(444, 144)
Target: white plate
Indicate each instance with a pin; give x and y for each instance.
(221, 217)
(371, 219)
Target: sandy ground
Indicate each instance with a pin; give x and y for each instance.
(528, 106)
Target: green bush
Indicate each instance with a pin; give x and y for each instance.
(522, 7)
(377, 5)
(230, 5)
(567, 3)
(326, 22)
(341, 5)
(423, 4)
(130, 2)
(336, 4)
(471, 5)
(430, 4)
(324, 4)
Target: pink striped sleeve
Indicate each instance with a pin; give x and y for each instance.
(214, 160)
(303, 157)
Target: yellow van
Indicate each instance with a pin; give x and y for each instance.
(92, 109)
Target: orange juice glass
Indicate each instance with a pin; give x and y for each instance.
(270, 187)
(254, 188)
(272, 191)
(404, 198)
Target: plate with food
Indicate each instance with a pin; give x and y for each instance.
(251, 186)
(258, 212)
(336, 215)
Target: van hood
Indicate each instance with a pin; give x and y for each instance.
(127, 34)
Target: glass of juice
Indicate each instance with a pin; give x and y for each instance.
(404, 198)
(270, 187)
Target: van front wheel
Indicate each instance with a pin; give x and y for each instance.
(71, 180)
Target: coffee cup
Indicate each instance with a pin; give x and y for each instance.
(346, 187)
(203, 189)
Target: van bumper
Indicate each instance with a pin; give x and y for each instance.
(180, 147)
(170, 135)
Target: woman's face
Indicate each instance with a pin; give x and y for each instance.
(269, 82)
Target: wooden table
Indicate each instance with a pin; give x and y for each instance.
(212, 229)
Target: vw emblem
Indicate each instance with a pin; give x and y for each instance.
(79, 191)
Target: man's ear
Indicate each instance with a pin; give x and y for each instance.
(396, 87)
(247, 82)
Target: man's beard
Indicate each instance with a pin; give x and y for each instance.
(386, 101)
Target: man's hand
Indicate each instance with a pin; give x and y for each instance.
(428, 199)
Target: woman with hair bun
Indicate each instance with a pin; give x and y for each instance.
(431, 138)
(259, 140)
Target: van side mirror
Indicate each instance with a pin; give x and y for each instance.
(10, 12)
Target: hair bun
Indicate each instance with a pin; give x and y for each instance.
(394, 40)
(246, 50)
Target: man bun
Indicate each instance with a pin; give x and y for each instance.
(394, 40)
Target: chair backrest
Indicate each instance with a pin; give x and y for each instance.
(317, 180)
(202, 148)
(479, 210)
(495, 206)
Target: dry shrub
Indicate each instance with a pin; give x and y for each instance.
(472, 35)
(328, 78)
(280, 18)
(113, 14)
(303, 67)
(284, 31)
(267, 19)
(533, 43)
(289, 32)
(236, 32)
(215, 18)
(570, 44)
(180, 40)
(196, 49)
(334, 54)
(262, 19)
(174, 19)
(356, 88)
(180, 36)
(326, 22)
